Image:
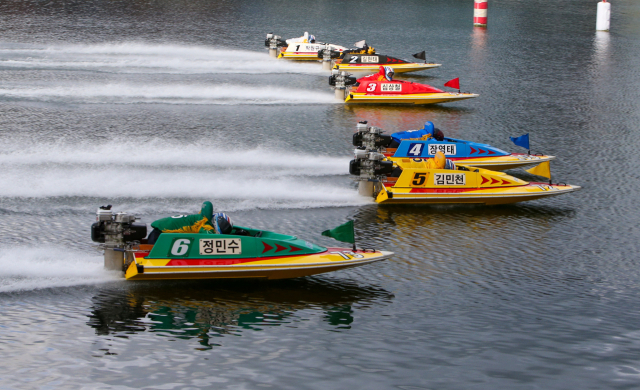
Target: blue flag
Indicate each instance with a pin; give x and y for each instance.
(523, 141)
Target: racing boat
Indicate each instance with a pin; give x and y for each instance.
(244, 253)
(381, 89)
(426, 142)
(360, 63)
(364, 59)
(304, 48)
(416, 180)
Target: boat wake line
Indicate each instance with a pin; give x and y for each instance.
(147, 58)
(45, 267)
(129, 93)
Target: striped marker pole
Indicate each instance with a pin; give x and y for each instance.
(480, 13)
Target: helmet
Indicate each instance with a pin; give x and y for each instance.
(388, 73)
(449, 165)
(223, 224)
(312, 39)
(438, 134)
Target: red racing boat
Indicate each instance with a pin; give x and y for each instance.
(380, 88)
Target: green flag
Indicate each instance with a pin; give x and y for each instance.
(344, 233)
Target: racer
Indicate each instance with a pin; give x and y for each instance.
(384, 74)
(439, 161)
(204, 222)
(427, 132)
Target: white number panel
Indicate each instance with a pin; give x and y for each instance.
(310, 48)
(220, 246)
(449, 179)
(447, 149)
(369, 59)
(391, 87)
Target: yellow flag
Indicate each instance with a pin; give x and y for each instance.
(542, 169)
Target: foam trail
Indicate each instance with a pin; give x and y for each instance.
(160, 153)
(148, 58)
(239, 179)
(122, 93)
(144, 183)
(28, 268)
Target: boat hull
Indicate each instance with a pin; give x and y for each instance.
(418, 98)
(487, 196)
(498, 163)
(300, 56)
(372, 68)
(283, 267)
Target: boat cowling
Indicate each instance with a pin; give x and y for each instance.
(451, 147)
(251, 244)
(394, 87)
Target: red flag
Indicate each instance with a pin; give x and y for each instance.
(455, 83)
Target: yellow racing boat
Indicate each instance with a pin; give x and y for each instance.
(415, 181)
(244, 253)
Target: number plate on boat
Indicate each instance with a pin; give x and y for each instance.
(220, 246)
(449, 179)
(447, 149)
(369, 59)
(390, 87)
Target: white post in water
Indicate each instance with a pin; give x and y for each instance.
(604, 13)
(480, 13)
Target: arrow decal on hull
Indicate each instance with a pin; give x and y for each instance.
(484, 180)
(280, 248)
(267, 247)
(493, 181)
(472, 150)
(295, 248)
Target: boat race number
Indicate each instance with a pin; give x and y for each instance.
(371, 87)
(415, 149)
(220, 246)
(449, 179)
(447, 149)
(391, 87)
(369, 59)
(180, 247)
(419, 178)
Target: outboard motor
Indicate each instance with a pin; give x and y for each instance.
(369, 164)
(116, 231)
(274, 43)
(327, 56)
(327, 52)
(340, 80)
(370, 137)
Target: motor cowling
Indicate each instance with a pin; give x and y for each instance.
(370, 137)
(274, 41)
(116, 232)
(333, 54)
(341, 80)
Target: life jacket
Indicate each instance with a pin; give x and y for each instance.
(190, 223)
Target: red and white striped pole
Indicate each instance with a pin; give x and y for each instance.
(480, 13)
